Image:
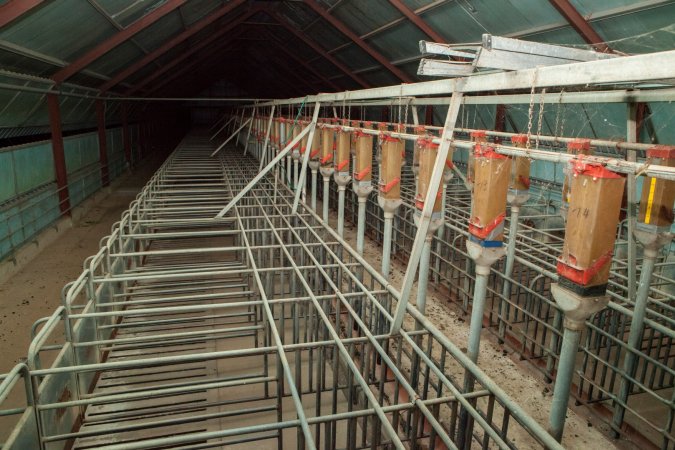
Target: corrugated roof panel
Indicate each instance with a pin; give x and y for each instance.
(63, 29)
(17, 63)
(380, 77)
(116, 59)
(194, 10)
(589, 7)
(355, 58)
(298, 15)
(415, 4)
(160, 31)
(662, 118)
(17, 107)
(471, 19)
(125, 12)
(362, 17)
(86, 80)
(629, 32)
(399, 42)
(559, 36)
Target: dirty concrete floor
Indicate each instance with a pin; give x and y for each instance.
(35, 291)
(520, 382)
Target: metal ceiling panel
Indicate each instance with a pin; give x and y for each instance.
(380, 77)
(116, 59)
(64, 29)
(126, 12)
(399, 42)
(362, 17)
(415, 4)
(312, 26)
(560, 36)
(652, 30)
(466, 21)
(194, 10)
(16, 63)
(588, 8)
(355, 58)
(18, 107)
(159, 32)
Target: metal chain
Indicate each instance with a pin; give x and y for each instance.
(541, 115)
(530, 112)
(407, 105)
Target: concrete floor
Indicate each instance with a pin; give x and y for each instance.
(35, 290)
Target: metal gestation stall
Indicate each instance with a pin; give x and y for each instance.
(197, 326)
(621, 358)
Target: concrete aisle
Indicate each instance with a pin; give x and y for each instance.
(35, 290)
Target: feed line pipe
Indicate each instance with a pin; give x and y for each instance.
(517, 194)
(492, 172)
(653, 232)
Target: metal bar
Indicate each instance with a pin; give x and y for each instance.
(102, 143)
(267, 138)
(425, 219)
(637, 68)
(300, 185)
(563, 383)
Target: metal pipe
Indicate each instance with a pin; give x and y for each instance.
(423, 277)
(386, 243)
(634, 340)
(361, 225)
(508, 271)
(473, 348)
(326, 198)
(341, 210)
(314, 187)
(563, 382)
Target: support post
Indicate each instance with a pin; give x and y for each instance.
(631, 207)
(425, 219)
(126, 136)
(58, 153)
(517, 196)
(102, 143)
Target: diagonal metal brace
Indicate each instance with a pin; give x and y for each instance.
(425, 220)
(305, 159)
(220, 147)
(268, 167)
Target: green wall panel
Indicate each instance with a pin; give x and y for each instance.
(33, 166)
(7, 179)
